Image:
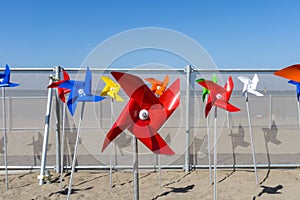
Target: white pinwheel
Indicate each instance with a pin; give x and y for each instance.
(250, 85)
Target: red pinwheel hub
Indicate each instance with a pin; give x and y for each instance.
(144, 114)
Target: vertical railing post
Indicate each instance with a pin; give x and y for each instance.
(271, 118)
(42, 177)
(187, 119)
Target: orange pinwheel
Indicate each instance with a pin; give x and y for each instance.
(158, 87)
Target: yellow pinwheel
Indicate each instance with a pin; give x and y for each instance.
(111, 89)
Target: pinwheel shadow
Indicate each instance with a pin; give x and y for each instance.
(175, 190)
(197, 146)
(270, 135)
(70, 134)
(237, 139)
(122, 141)
(65, 191)
(269, 190)
(37, 146)
(2, 145)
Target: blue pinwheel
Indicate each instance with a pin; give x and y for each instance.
(297, 87)
(80, 91)
(5, 82)
(5, 79)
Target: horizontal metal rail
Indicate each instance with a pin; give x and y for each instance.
(149, 167)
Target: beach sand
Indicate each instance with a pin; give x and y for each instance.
(238, 184)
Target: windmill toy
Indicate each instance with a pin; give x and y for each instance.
(61, 92)
(111, 89)
(158, 88)
(205, 93)
(80, 91)
(143, 116)
(219, 97)
(293, 74)
(297, 84)
(5, 82)
(250, 87)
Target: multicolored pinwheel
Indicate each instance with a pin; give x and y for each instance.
(80, 91)
(297, 84)
(5, 79)
(250, 85)
(5, 82)
(61, 91)
(111, 89)
(205, 91)
(158, 87)
(292, 72)
(145, 113)
(218, 96)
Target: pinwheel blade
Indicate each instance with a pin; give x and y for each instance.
(226, 106)
(136, 89)
(170, 99)
(291, 72)
(151, 139)
(87, 86)
(228, 87)
(297, 84)
(5, 78)
(122, 123)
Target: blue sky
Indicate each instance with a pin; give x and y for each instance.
(236, 34)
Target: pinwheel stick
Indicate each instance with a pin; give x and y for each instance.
(208, 149)
(215, 154)
(251, 136)
(111, 144)
(75, 152)
(62, 145)
(135, 168)
(5, 137)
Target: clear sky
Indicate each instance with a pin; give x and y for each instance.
(235, 33)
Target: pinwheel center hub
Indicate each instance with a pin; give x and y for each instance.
(81, 92)
(143, 115)
(219, 96)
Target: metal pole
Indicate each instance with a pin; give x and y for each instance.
(5, 137)
(75, 152)
(62, 145)
(208, 149)
(57, 70)
(215, 155)
(111, 144)
(187, 119)
(271, 118)
(251, 137)
(46, 135)
(135, 168)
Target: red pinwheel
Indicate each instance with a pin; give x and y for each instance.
(145, 113)
(218, 95)
(61, 91)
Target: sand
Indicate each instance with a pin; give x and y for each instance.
(238, 184)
